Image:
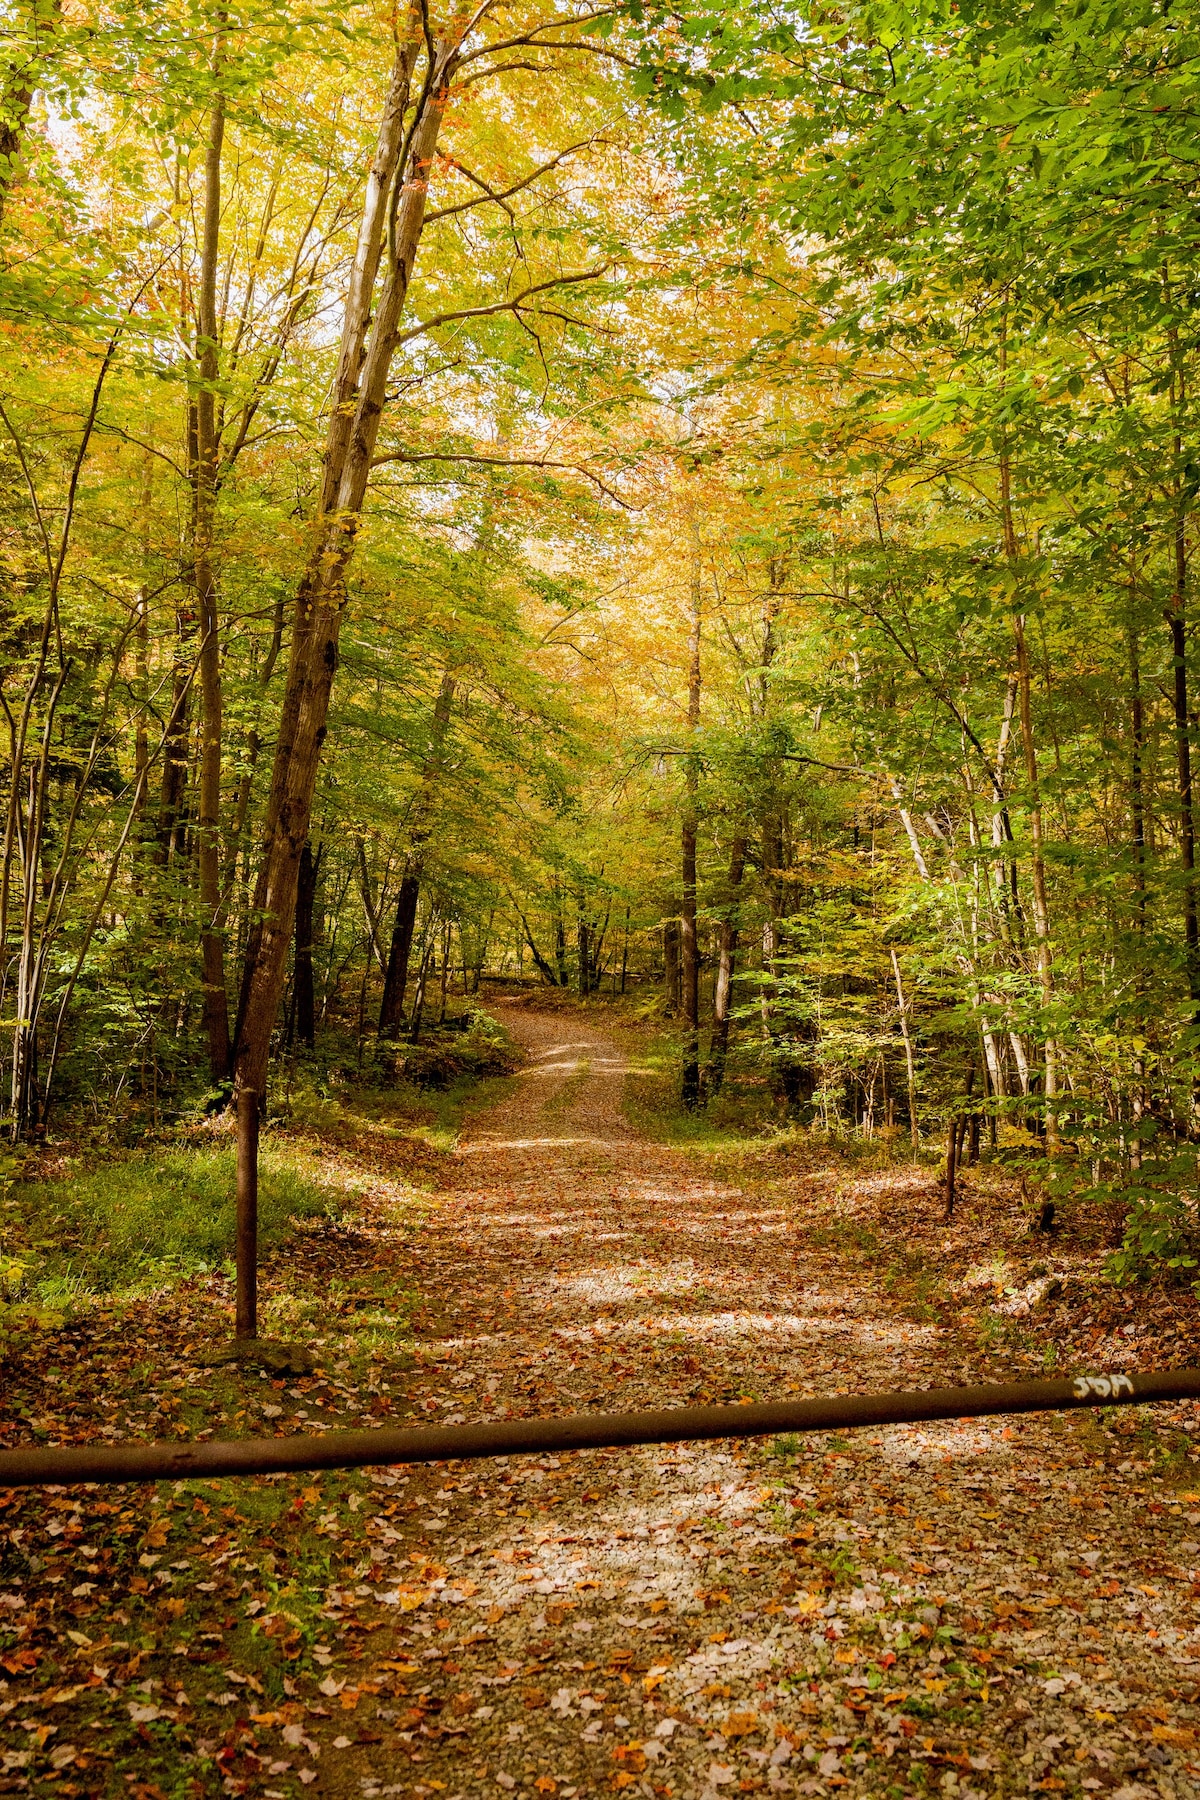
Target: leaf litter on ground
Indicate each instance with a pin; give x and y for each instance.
(987, 1607)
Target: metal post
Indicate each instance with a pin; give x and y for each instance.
(247, 1214)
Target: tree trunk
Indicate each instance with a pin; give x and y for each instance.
(1137, 800)
(726, 957)
(582, 942)
(670, 936)
(302, 968)
(246, 1325)
(1177, 624)
(422, 982)
(212, 930)
(175, 748)
(689, 950)
(951, 1163)
(369, 335)
(447, 933)
(391, 1010)
(913, 1128)
(1041, 908)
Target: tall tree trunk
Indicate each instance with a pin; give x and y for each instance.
(726, 957)
(414, 1030)
(910, 1062)
(951, 1163)
(689, 950)
(563, 978)
(369, 334)
(447, 934)
(212, 931)
(1041, 906)
(173, 785)
(1137, 801)
(391, 1009)
(670, 939)
(582, 945)
(303, 986)
(1177, 624)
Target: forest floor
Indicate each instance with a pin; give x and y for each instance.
(987, 1608)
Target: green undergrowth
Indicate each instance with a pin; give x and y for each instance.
(152, 1214)
(476, 1048)
(424, 1093)
(736, 1120)
(742, 1126)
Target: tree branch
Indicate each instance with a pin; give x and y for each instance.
(497, 462)
(490, 194)
(499, 306)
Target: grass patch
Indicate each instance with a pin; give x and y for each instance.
(168, 1211)
(736, 1119)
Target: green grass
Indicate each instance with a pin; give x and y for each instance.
(169, 1210)
(736, 1119)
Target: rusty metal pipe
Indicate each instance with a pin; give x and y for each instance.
(37, 1466)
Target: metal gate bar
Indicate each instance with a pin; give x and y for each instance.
(37, 1466)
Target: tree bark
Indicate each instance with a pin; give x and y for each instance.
(1177, 625)
(212, 931)
(370, 331)
(391, 1009)
(303, 986)
(670, 937)
(1137, 801)
(246, 1323)
(951, 1163)
(726, 958)
(913, 1128)
(689, 953)
(583, 950)
(368, 342)
(1041, 906)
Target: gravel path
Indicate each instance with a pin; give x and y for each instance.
(984, 1609)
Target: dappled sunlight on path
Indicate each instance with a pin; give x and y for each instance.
(919, 1607)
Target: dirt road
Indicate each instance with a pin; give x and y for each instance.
(980, 1609)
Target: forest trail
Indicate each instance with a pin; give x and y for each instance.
(987, 1608)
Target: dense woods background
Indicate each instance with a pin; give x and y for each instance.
(692, 505)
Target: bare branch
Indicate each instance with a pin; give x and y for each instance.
(499, 306)
(534, 38)
(490, 194)
(498, 462)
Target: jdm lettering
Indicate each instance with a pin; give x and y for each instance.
(1102, 1387)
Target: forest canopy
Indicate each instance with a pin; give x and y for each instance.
(695, 504)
